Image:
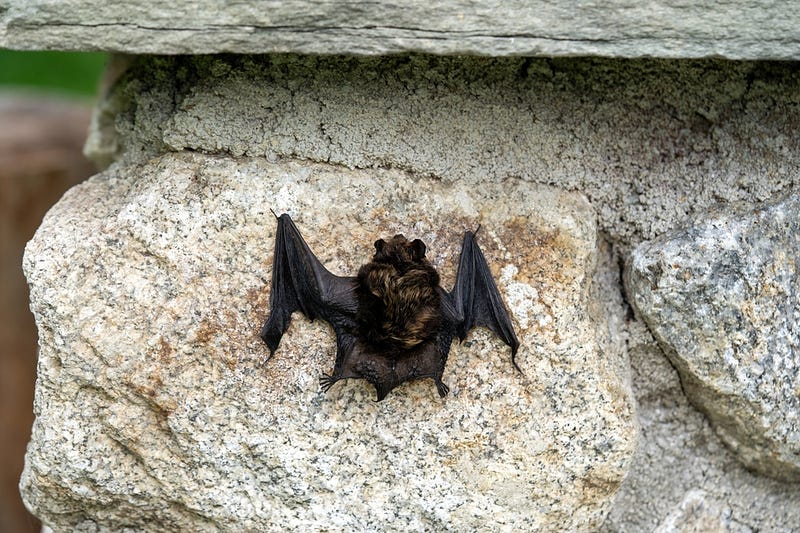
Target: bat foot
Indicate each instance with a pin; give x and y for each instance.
(326, 382)
(442, 388)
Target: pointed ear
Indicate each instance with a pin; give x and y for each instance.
(419, 249)
(379, 245)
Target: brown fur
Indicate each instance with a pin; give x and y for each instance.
(399, 303)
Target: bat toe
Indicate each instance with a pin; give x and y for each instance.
(326, 382)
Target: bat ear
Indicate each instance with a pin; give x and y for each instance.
(379, 245)
(419, 249)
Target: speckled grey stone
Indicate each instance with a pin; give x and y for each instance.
(734, 29)
(679, 453)
(149, 285)
(721, 297)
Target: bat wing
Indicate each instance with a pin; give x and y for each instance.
(301, 283)
(477, 301)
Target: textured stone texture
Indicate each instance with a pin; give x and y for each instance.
(679, 453)
(670, 28)
(648, 142)
(695, 513)
(722, 299)
(149, 285)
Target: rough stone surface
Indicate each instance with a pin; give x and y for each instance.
(149, 285)
(695, 513)
(649, 142)
(722, 299)
(670, 28)
(679, 453)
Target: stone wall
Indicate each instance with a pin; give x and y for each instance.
(638, 214)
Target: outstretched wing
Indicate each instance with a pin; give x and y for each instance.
(301, 283)
(477, 301)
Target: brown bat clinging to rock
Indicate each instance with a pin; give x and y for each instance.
(393, 321)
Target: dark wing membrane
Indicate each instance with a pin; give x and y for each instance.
(476, 299)
(301, 283)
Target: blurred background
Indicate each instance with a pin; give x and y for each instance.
(45, 107)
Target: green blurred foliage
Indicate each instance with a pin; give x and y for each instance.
(74, 73)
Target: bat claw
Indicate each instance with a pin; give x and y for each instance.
(442, 388)
(326, 382)
(263, 360)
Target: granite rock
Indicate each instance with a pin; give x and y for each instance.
(679, 453)
(154, 408)
(721, 297)
(736, 29)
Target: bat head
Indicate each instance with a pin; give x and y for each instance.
(399, 250)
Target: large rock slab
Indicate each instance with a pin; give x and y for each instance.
(722, 299)
(669, 28)
(149, 285)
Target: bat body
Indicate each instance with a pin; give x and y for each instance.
(393, 321)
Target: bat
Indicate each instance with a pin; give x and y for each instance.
(393, 321)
